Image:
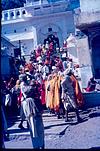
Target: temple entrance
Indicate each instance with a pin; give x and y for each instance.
(96, 56)
(44, 32)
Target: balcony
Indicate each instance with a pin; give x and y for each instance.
(35, 3)
(42, 2)
(47, 8)
(38, 8)
(13, 14)
(33, 10)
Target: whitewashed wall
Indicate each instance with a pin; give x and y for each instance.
(62, 23)
(90, 5)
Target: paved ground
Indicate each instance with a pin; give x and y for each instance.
(59, 134)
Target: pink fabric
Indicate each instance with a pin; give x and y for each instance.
(19, 98)
(43, 92)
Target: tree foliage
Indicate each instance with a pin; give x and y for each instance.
(10, 4)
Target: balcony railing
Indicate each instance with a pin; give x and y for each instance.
(40, 7)
(24, 12)
(13, 14)
(42, 2)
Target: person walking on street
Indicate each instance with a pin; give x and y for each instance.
(23, 80)
(68, 95)
(34, 117)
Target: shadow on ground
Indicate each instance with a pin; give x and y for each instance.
(12, 120)
(96, 114)
(91, 112)
(50, 126)
(17, 131)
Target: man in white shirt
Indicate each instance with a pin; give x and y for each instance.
(45, 70)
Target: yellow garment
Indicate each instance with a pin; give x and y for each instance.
(51, 97)
(56, 92)
(50, 94)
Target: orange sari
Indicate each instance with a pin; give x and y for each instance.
(57, 93)
(78, 92)
(53, 95)
(50, 94)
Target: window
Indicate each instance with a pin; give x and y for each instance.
(24, 12)
(18, 13)
(6, 15)
(37, 8)
(49, 29)
(12, 14)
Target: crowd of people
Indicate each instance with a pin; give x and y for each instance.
(47, 81)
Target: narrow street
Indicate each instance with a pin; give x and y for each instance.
(60, 134)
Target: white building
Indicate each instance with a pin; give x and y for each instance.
(7, 51)
(30, 23)
(87, 20)
(7, 48)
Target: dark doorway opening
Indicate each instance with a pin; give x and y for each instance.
(96, 56)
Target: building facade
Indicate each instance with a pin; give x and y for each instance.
(7, 52)
(87, 21)
(29, 24)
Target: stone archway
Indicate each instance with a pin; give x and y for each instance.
(96, 56)
(43, 32)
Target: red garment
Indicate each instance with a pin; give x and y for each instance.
(48, 54)
(46, 62)
(59, 65)
(51, 46)
(19, 98)
(91, 86)
(36, 90)
(65, 45)
(43, 92)
(89, 89)
(38, 54)
(30, 66)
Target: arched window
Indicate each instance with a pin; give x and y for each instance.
(12, 14)
(6, 15)
(18, 13)
(24, 12)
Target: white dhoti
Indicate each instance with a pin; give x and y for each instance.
(69, 101)
(35, 122)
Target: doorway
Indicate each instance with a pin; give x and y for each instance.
(96, 56)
